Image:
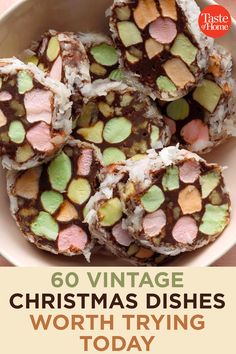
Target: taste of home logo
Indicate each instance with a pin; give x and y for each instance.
(215, 21)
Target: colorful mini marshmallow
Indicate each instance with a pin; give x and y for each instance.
(179, 207)
(103, 57)
(162, 48)
(35, 115)
(206, 117)
(121, 122)
(48, 202)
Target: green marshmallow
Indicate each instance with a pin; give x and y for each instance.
(183, 48)
(117, 130)
(60, 171)
(53, 49)
(153, 199)
(79, 190)
(110, 212)
(113, 155)
(170, 180)
(129, 33)
(45, 226)
(178, 110)
(155, 135)
(51, 201)
(105, 54)
(165, 84)
(209, 182)
(208, 95)
(215, 219)
(117, 75)
(24, 82)
(16, 132)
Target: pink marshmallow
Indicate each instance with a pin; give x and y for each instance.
(40, 137)
(38, 105)
(154, 223)
(84, 162)
(73, 238)
(122, 236)
(185, 230)
(189, 171)
(163, 30)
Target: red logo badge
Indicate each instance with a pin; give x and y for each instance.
(215, 21)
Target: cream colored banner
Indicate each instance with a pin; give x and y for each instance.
(123, 310)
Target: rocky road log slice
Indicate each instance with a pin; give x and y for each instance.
(161, 44)
(184, 205)
(121, 122)
(35, 115)
(206, 117)
(106, 220)
(63, 57)
(103, 57)
(48, 202)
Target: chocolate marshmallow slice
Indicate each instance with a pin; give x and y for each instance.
(34, 115)
(48, 202)
(205, 118)
(178, 204)
(121, 122)
(162, 49)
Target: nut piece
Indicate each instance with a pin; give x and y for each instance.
(105, 109)
(190, 200)
(117, 130)
(183, 48)
(133, 249)
(89, 111)
(129, 33)
(3, 119)
(153, 199)
(145, 13)
(144, 253)
(215, 219)
(24, 153)
(168, 9)
(16, 132)
(24, 82)
(105, 54)
(98, 69)
(93, 134)
(170, 180)
(59, 172)
(110, 212)
(45, 226)
(27, 185)
(53, 49)
(110, 98)
(67, 212)
(215, 198)
(126, 99)
(18, 108)
(79, 190)
(113, 155)
(209, 182)
(208, 95)
(153, 48)
(178, 72)
(51, 201)
(178, 110)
